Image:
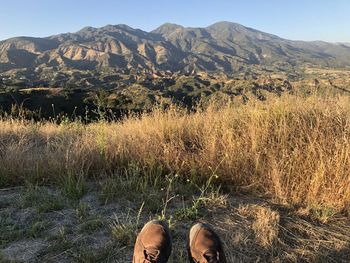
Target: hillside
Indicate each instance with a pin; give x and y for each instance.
(272, 178)
(222, 47)
(106, 128)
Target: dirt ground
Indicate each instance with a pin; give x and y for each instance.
(43, 225)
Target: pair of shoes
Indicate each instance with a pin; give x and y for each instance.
(153, 244)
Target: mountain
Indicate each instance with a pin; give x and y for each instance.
(222, 47)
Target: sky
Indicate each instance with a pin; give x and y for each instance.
(326, 20)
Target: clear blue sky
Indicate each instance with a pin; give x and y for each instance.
(327, 20)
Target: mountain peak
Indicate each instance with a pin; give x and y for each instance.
(110, 28)
(167, 28)
(226, 26)
(225, 29)
(119, 26)
(87, 29)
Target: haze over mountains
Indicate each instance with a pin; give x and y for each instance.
(222, 47)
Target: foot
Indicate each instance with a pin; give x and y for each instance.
(205, 245)
(153, 243)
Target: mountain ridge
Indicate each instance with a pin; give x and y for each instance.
(221, 47)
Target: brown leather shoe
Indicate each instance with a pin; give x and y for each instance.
(153, 243)
(204, 245)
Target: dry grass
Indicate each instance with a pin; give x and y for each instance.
(265, 223)
(256, 231)
(297, 150)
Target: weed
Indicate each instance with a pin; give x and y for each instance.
(85, 255)
(92, 225)
(37, 228)
(74, 186)
(209, 195)
(181, 257)
(11, 230)
(62, 233)
(135, 186)
(187, 213)
(57, 247)
(322, 213)
(125, 232)
(82, 212)
(41, 199)
(117, 186)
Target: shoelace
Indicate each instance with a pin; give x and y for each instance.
(151, 256)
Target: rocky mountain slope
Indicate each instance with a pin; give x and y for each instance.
(222, 47)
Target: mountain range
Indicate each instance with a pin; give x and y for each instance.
(222, 47)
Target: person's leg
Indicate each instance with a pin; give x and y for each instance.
(204, 245)
(153, 243)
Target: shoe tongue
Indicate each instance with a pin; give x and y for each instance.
(211, 256)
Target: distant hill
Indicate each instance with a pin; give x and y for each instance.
(222, 47)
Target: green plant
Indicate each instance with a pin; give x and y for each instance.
(322, 213)
(41, 199)
(86, 255)
(37, 228)
(208, 193)
(101, 103)
(62, 233)
(82, 211)
(74, 186)
(171, 180)
(11, 230)
(125, 232)
(92, 225)
(135, 185)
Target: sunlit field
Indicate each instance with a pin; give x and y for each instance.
(294, 150)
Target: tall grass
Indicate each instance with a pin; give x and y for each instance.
(294, 149)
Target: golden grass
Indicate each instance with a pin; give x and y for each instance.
(297, 150)
(265, 223)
